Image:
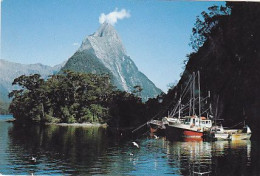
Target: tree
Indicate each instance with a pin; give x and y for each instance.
(75, 97)
(204, 27)
(137, 90)
(27, 103)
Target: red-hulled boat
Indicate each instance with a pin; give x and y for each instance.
(191, 126)
(187, 127)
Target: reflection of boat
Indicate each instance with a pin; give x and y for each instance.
(192, 157)
(191, 126)
(192, 139)
(210, 158)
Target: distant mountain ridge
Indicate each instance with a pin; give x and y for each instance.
(103, 52)
(10, 70)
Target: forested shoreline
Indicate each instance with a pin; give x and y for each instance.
(75, 98)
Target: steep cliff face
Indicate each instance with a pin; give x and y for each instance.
(103, 52)
(229, 63)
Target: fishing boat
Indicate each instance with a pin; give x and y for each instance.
(191, 126)
(156, 126)
(219, 133)
(240, 134)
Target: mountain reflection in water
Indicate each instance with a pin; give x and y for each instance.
(81, 151)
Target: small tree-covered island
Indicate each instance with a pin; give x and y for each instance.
(74, 98)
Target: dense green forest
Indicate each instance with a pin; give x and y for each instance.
(75, 97)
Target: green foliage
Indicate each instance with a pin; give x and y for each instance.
(204, 27)
(126, 110)
(85, 62)
(137, 90)
(69, 97)
(74, 97)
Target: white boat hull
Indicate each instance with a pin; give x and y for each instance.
(222, 136)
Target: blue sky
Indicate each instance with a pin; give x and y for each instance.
(156, 36)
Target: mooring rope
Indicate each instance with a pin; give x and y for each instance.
(236, 125)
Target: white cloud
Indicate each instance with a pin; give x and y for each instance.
(75, 44)
(112, 17)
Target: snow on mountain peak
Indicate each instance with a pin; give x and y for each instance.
(105, 43)
(106, 29)
(107, 46)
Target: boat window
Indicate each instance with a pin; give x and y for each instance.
(187, 121)
(194, 121)
(203, 122)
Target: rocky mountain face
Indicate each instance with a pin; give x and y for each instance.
(104, 53)
(229, 63)
(9, 71)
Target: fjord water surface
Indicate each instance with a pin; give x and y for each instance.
(92, 151)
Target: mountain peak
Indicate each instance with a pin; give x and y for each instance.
(105, 41)
(103, 52)
(105, 29)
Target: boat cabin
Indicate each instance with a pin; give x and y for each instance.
(199, 122)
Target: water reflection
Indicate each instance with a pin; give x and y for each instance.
(81, 151)
(62, 147)
(214, 158)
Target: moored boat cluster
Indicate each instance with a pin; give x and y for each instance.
(194, 127)
(177, 126)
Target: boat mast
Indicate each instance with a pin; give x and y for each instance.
(210, 107)
(190, 99)
(199, 93)
(179, 108)
(193, 92)
(216, 114)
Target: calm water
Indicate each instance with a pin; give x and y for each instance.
(90, 151)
